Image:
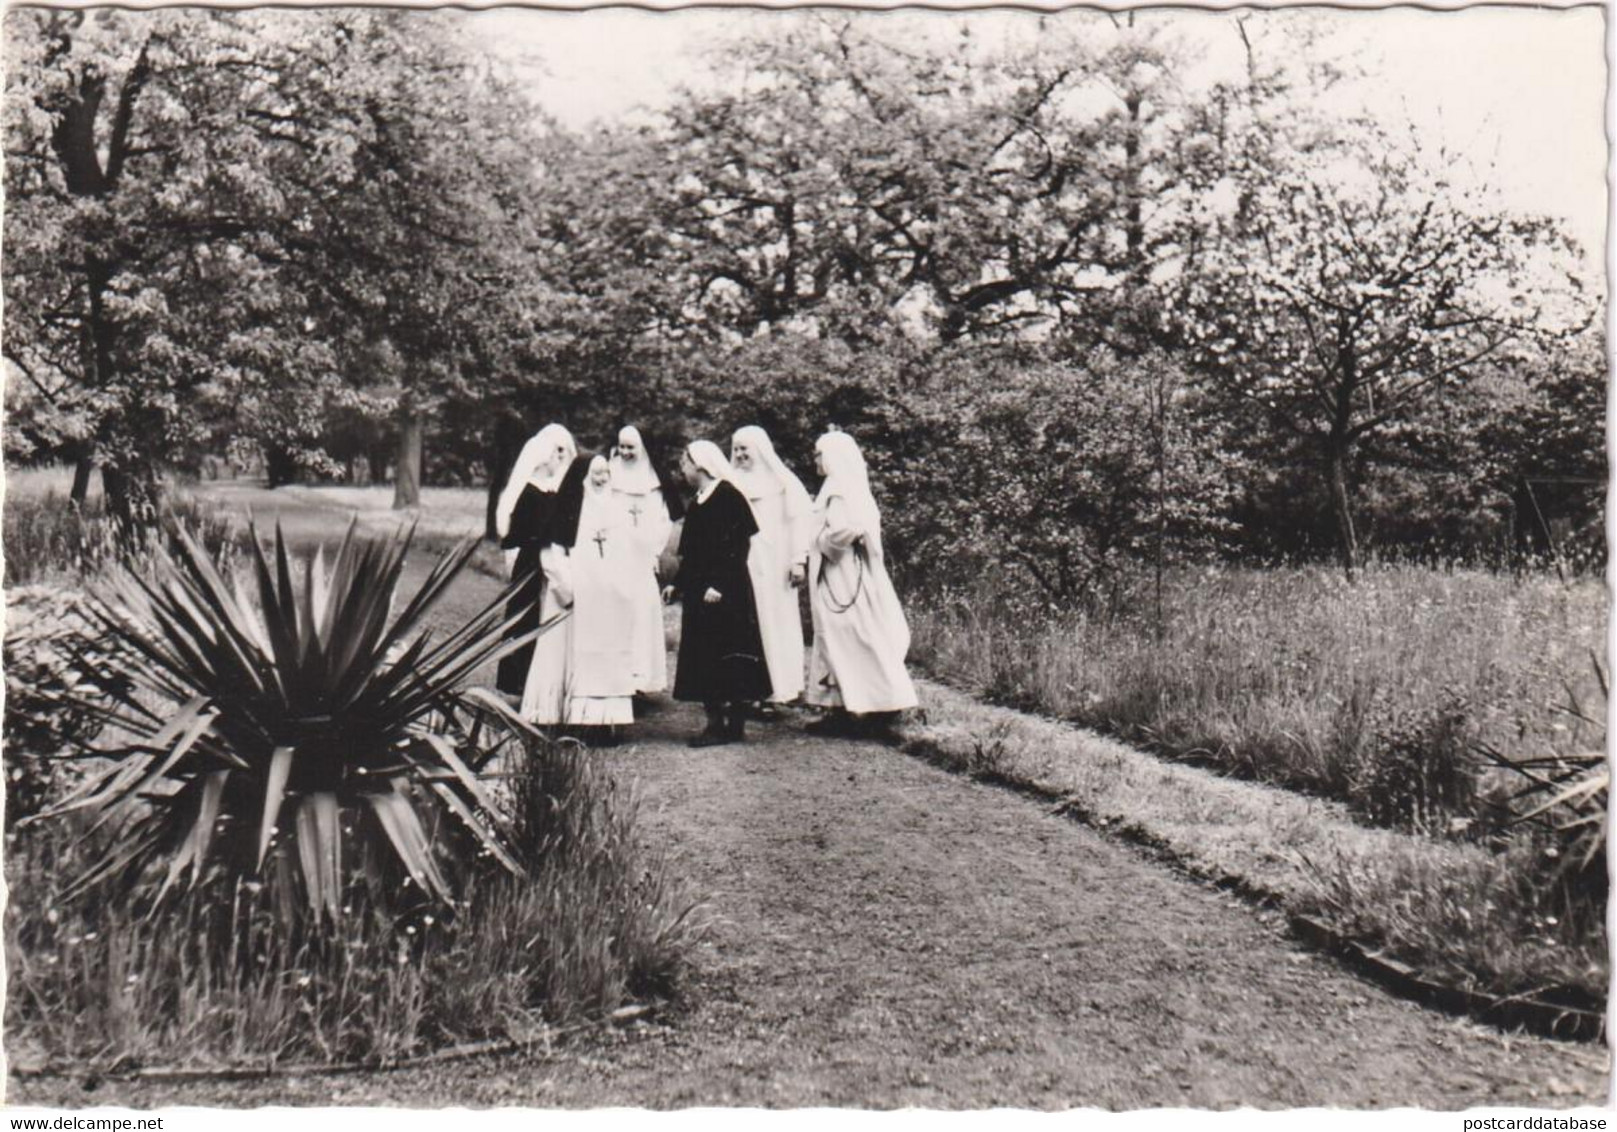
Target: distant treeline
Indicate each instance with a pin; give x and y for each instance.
(1080, 312)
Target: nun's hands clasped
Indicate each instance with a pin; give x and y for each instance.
(713, 596)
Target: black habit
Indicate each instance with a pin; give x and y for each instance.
(538, 519)
(721, 655)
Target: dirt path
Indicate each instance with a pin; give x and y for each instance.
(886, 934)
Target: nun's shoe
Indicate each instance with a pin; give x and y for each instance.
(709, 739)
(881, 725)
(836, 725)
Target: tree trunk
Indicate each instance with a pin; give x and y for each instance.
(497, 468)
(132, 495)
(376, 458)
(1134, 222)
(280, 467)
(407, 470)
(1337, 441)
(1347, 542)
(83, 467)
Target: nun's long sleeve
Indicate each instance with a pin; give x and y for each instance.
(839, 531)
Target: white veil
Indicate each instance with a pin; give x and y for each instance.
(538, 464)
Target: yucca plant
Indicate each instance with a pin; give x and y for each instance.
(1564, 796)
(259, 718)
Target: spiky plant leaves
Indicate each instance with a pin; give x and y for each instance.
(320, 851)
(403, 828)
(270, 705)
(280, 769)
(1566, 796)
(193, 849)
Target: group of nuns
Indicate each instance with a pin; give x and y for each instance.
(586, 534)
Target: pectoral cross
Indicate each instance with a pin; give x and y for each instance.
(635, 511)
(600, 543)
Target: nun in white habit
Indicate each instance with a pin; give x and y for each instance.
(635, 485)
(778, 561)
(860, 634)
(603, 561)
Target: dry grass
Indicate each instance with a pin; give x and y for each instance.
(1351, 691)
(1453, 909)
(48, 479)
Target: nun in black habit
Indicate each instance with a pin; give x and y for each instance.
(721, 653)
(529, 519)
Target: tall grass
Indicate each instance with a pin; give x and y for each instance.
(595, 923)
(1371, 692)
(49, 539)
(1484, 922)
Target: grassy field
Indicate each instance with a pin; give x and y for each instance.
(43, 540)
(1369, 692)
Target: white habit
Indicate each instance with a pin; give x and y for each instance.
(860, 634)
(634, 483)
(546, 694)
(604, 565)
(785, 516)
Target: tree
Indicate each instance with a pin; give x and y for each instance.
(99, 243)
(235, 211)
(1351, 280)
(850, 186)
(1069, 471)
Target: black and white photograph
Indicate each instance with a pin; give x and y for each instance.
(765, 559)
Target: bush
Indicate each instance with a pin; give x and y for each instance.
(46, 628)
(1420, 772)
(296, 727)
(594, 923)
(290, 851)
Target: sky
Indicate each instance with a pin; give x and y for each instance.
(1524, 85)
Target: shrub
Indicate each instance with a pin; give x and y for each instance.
(1419, 772)
(46, 628)
(593, 922)
(302, 726)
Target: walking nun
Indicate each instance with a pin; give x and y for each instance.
(860, 634)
